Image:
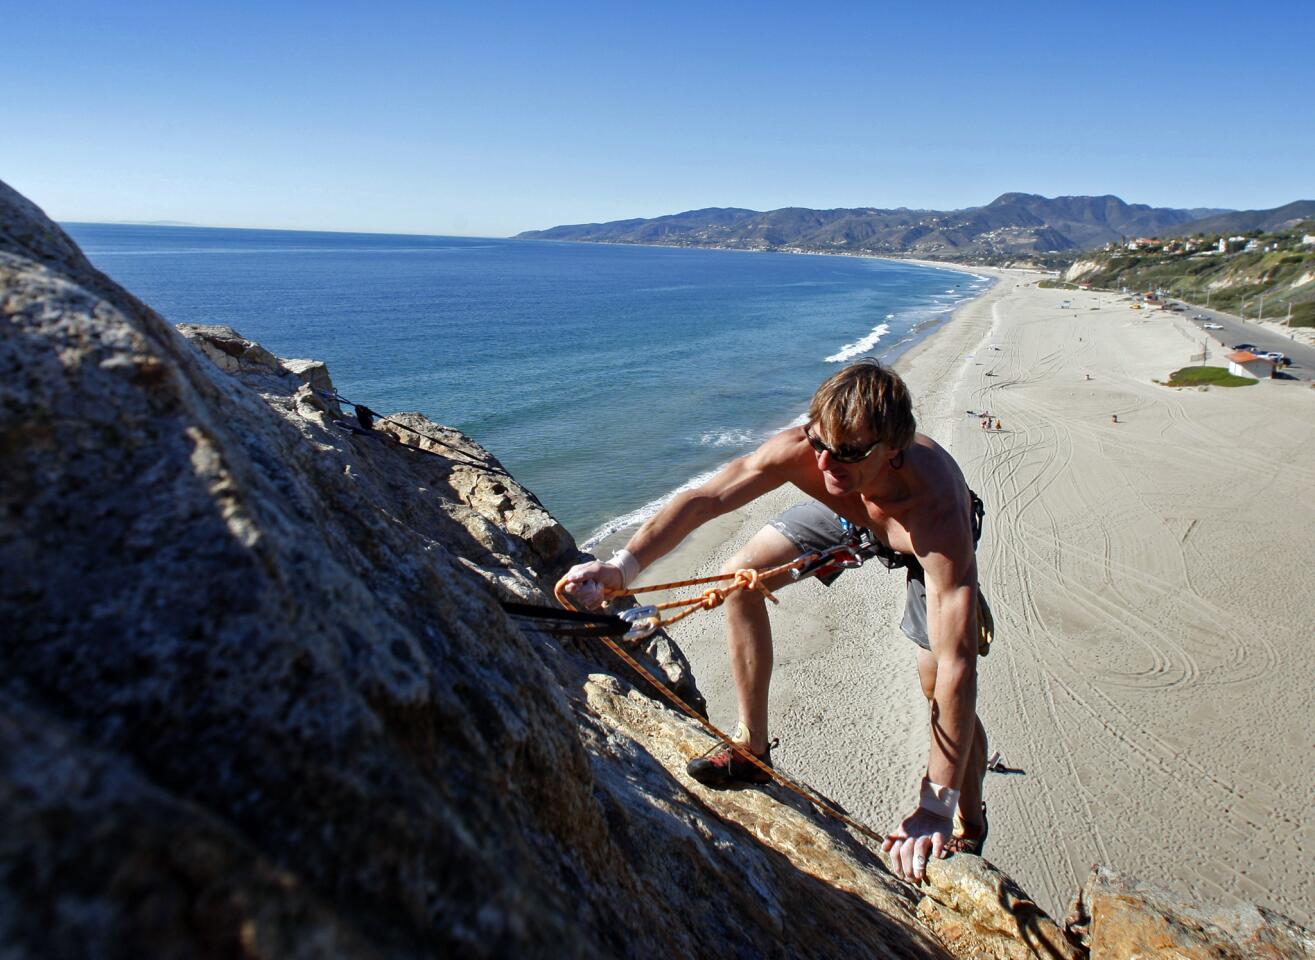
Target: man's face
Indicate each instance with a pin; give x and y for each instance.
(847, 462)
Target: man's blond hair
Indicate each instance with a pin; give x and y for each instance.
(864, 394)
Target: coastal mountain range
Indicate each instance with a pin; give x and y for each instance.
(1011, 225)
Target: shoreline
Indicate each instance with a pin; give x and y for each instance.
(703, 551)
(1149, 665)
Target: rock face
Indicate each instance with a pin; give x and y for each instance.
(260, 698)
(1117, 917)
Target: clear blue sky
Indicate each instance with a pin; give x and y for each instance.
(487, 118)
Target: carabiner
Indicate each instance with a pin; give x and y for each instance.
(846, 557)
(842, 556)
(644, 622)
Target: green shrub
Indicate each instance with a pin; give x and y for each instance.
(1202, 376)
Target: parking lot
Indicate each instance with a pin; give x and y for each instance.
(1233, 330)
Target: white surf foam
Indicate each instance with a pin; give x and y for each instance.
(859, 347)
(727, 438)
(635, 517)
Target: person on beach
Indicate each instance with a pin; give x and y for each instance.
(865, 469)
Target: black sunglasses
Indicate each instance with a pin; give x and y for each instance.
(845, 454)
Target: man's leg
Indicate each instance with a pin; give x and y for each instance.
(970, 794)
(749, 630)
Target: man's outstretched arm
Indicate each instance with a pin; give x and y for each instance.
(952, 629)
(739, 482)
(951, 580)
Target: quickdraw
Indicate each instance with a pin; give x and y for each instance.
(843, 557)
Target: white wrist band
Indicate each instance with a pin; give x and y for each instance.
(625, 561)
(934, 798)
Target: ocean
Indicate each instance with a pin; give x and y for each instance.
(603, 377)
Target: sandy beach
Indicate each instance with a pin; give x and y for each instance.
(1151, 676)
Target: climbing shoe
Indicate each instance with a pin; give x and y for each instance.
(723, 767)
(962, 844)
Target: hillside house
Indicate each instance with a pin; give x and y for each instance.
(1243, 363)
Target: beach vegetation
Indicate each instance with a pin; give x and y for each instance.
(1206, 377)
(1243, 273)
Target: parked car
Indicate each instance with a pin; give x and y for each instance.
(1278, 358)
(1212, 326)
(1199, 316)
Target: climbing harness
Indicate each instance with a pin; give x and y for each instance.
(364, 426)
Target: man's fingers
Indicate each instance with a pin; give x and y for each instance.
(893, 839)
(921, 848)
(906, 859)
(938, 845)
(896, 843)
(896, 851)
(588, 592)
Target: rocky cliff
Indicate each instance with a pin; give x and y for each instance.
(260, 698)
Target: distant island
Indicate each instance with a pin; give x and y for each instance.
(1013, 226)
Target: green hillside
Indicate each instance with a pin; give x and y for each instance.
(1276, 274)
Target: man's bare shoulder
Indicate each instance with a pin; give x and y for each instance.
(935, 474)
(782, 453)
(937, 515)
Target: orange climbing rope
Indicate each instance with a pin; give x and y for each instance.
(709, 600)
(713, 597)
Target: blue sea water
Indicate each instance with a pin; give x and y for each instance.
(603, 377)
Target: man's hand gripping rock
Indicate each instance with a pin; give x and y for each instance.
(923, 833)
(589, 584)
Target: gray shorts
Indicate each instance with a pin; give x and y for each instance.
(811, 526)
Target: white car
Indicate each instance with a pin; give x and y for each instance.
(1212, 326)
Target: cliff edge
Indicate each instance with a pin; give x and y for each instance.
(260, 698)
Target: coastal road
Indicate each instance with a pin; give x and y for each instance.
(1236, 330)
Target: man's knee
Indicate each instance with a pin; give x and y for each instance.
(742, 560)
(768, 548)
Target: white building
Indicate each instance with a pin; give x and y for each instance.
(1243, 363)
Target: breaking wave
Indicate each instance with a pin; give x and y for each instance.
(635, 517)
(859, 347)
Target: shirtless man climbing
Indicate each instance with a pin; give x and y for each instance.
(864, 465)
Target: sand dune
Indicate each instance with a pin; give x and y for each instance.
(1152, 677)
